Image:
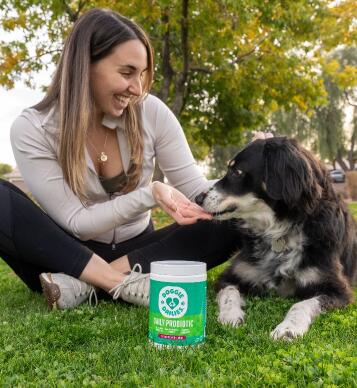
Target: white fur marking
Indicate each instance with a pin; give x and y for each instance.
(297, 320)
(229, 304)
(308, 276)
(247, 272)
(249, 208)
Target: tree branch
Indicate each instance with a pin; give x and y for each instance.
(34, 58)
(240, 58)
(347, 98)
(73, 16)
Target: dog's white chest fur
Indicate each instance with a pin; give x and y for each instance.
(276, 259)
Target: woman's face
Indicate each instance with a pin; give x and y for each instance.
(118, 77)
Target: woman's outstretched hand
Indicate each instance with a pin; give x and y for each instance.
(174, 203)
(262, 135)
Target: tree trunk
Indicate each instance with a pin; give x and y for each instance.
(167, 70)
(167, 73)
(351, 151)
(340, 160)
(181, 83)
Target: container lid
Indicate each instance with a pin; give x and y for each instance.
(178, 267)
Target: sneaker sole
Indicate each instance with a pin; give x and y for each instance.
(50, 290)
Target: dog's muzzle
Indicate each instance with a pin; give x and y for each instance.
(200, 198)
(229, 209)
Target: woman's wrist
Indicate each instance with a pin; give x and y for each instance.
(152, 186)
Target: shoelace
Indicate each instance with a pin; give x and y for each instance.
(129, 280)
(77, 287)
(93, 293)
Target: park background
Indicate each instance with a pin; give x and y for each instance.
(226, 68)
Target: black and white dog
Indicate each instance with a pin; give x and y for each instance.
(298, 236)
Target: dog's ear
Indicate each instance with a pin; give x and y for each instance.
(289, 174)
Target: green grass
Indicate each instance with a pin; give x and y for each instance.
(108, 346)
(353, 208)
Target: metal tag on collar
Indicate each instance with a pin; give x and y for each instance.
(279, 245)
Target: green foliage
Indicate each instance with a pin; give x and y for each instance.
(229, 64)
(4, 169)
(219, 158)
(160, 218)
(353, 209)
(322, 128)
(108, 345)
(292, 123)
(328, 122)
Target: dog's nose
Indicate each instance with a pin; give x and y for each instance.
(200, 198)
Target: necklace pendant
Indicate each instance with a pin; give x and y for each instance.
(103, 157)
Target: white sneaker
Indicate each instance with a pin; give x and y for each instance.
(65, 292)
(135, 288)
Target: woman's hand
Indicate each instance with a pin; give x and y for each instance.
(262, 135)
(174, 203)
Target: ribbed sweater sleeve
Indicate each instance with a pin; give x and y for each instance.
(43, 175)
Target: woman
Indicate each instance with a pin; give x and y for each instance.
(86, 152)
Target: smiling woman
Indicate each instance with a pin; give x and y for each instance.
(87, 152)
(118, 78)
(92, 80)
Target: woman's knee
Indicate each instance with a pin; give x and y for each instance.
(219, 235)
(5, 185)
(5, 210)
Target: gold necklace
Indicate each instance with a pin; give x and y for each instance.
(103, 157)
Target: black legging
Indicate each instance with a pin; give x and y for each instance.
(32, 243)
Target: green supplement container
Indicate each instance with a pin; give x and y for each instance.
(177, 303)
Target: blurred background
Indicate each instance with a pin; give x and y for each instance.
(225, 67)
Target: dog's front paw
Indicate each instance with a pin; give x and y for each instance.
(233, 317)
(288, 330)
(229, 303)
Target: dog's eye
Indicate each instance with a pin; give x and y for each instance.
(237, 172)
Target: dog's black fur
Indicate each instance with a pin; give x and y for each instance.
(298, 236)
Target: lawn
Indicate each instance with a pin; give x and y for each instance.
(107, 345)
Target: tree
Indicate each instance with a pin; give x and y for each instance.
(352, 157)
(328, 122)
(222, 66)
(4, 169)
(323, 128)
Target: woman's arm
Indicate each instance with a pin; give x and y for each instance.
(173, 153)
(37, 161)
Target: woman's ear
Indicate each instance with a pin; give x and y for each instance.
(289, 175)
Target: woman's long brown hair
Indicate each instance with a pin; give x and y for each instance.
(94, 35)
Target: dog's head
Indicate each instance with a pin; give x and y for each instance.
(267, 175)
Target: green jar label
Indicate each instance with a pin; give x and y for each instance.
(177, 313)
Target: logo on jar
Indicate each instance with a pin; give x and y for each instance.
(173, 302)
